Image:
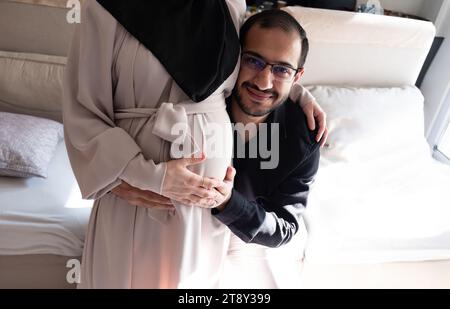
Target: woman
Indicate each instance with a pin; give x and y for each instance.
(135, 70)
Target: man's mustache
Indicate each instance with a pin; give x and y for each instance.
(253, 86)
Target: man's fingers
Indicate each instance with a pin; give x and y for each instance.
(155, 197)
(231, 172)
(227, 181)
(206, 203)
(321, 119)
(194, 200)
(127, 192)
(206, 182)
(324, 138)
(222, 190)
(121, 192)
(125, 185)
(204, 193)
(310, 119)
(320, 134)
(187, 202)
(139, 202)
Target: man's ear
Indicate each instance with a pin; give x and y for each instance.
(299, 75)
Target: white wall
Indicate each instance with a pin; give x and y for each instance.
(430, 9)
(443, 20)
(436, 86)
(413, 7)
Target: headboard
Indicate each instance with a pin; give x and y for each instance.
(346, 48)
(361, 49)
(35, 26)
(34, 41)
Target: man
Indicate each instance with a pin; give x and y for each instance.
(265, 206)
(274, 49)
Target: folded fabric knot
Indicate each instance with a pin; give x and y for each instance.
(171, 122)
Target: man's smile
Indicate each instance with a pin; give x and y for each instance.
(258, 96)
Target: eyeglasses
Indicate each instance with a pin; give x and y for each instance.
(280, 72)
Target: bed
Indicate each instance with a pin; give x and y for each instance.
(353, 57)
(379, 212)
(42, 221)
(42, 227)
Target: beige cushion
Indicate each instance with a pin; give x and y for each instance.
(27, 144)
(34, 28)
(358, 49)
(54, 3)
(31, 84)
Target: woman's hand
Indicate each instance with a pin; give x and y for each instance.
(187, 187)
(314, 113)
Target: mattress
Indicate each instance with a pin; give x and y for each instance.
(393, 209)
(43, 216)
(400, 275)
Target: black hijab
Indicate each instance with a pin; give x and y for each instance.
(195, 40)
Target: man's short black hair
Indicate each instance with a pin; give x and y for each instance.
(277, 19)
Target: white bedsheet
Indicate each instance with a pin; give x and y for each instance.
(395, 208)
(43, 216)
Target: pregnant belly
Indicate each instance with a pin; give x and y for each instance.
(210, 133)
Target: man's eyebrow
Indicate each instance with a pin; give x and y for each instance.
(277, 62)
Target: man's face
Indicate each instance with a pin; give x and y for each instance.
(259, 92)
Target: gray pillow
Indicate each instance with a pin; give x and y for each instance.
(27, 144)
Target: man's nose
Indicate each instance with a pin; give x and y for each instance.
(264, 79)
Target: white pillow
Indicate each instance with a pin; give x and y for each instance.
(378, 195)
(366, 123)
(27, 144)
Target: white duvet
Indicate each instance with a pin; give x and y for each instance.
(43, 216)
(379, 196)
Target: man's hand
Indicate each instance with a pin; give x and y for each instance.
(225, 190)
(314, 112)
(223, 193)
(142, 198)
(182, 185)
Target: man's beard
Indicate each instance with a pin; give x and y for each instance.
(277, 101)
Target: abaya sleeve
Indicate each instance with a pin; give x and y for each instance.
(101, 153)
